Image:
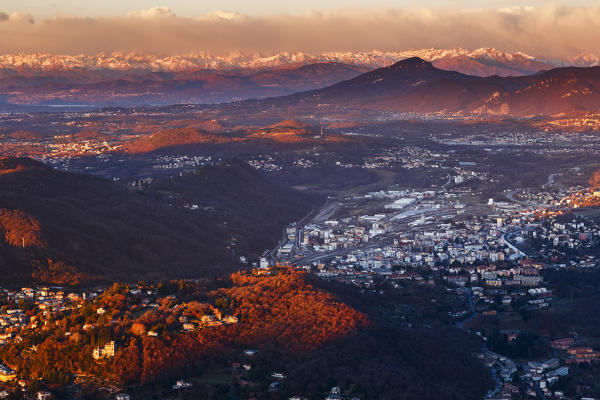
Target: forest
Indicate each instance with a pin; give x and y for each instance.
(72, 229)
(310, 334)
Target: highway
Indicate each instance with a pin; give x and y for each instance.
(507, 237)
(325, 213)
(511, 195)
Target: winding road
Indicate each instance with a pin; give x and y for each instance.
(511, 195)
(484, 348)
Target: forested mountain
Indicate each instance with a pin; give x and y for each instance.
(64, 228)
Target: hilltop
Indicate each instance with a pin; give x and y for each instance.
(172, 137)
(417, 86)
(283, 132)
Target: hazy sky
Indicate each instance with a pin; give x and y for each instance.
(192, 8)
(536, 27)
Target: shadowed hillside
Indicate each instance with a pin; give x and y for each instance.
(91, 228)
(254, 208)
(64, 228)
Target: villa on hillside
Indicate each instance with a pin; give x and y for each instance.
(105, 352)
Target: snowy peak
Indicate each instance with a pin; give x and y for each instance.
(134, 78)
(458, 58)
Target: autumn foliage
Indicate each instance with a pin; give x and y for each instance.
(20, 229)
(24, 232)
(595, 180)
(288, 311)
(282, 311)
(172, 137)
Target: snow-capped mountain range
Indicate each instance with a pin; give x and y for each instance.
(482, 62)
(140, 79)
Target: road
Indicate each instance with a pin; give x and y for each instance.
(484, 348)
(471, 306)
(507, 237)
(511, 195)
(271, 254)
(325, 213)
(550, 180)
(492, 393)
(447, 183)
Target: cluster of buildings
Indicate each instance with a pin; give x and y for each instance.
(497, 139)
(207, 321)
(588, 123)
(558, 242)
(538, 376)
(409, 157)
(7, 374)
(435, 230)
(581, 355)
(415, 229)
(495, 252)
(514, 138)
(23, 308)
(183, 161)
(265, 163)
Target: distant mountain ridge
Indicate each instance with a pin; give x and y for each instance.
(27, 64)
(134, 79)
(416, 86)
(123, 88)
(486, 80)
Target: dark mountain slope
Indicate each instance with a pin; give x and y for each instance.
(452, 95)
(94, 229)
(394, 80)
(254, 208)
(65, 228)
(416, 86)
(562, 90)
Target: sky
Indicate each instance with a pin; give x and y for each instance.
(190, 8)
(537, 27)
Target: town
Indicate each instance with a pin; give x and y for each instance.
(493, 256)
